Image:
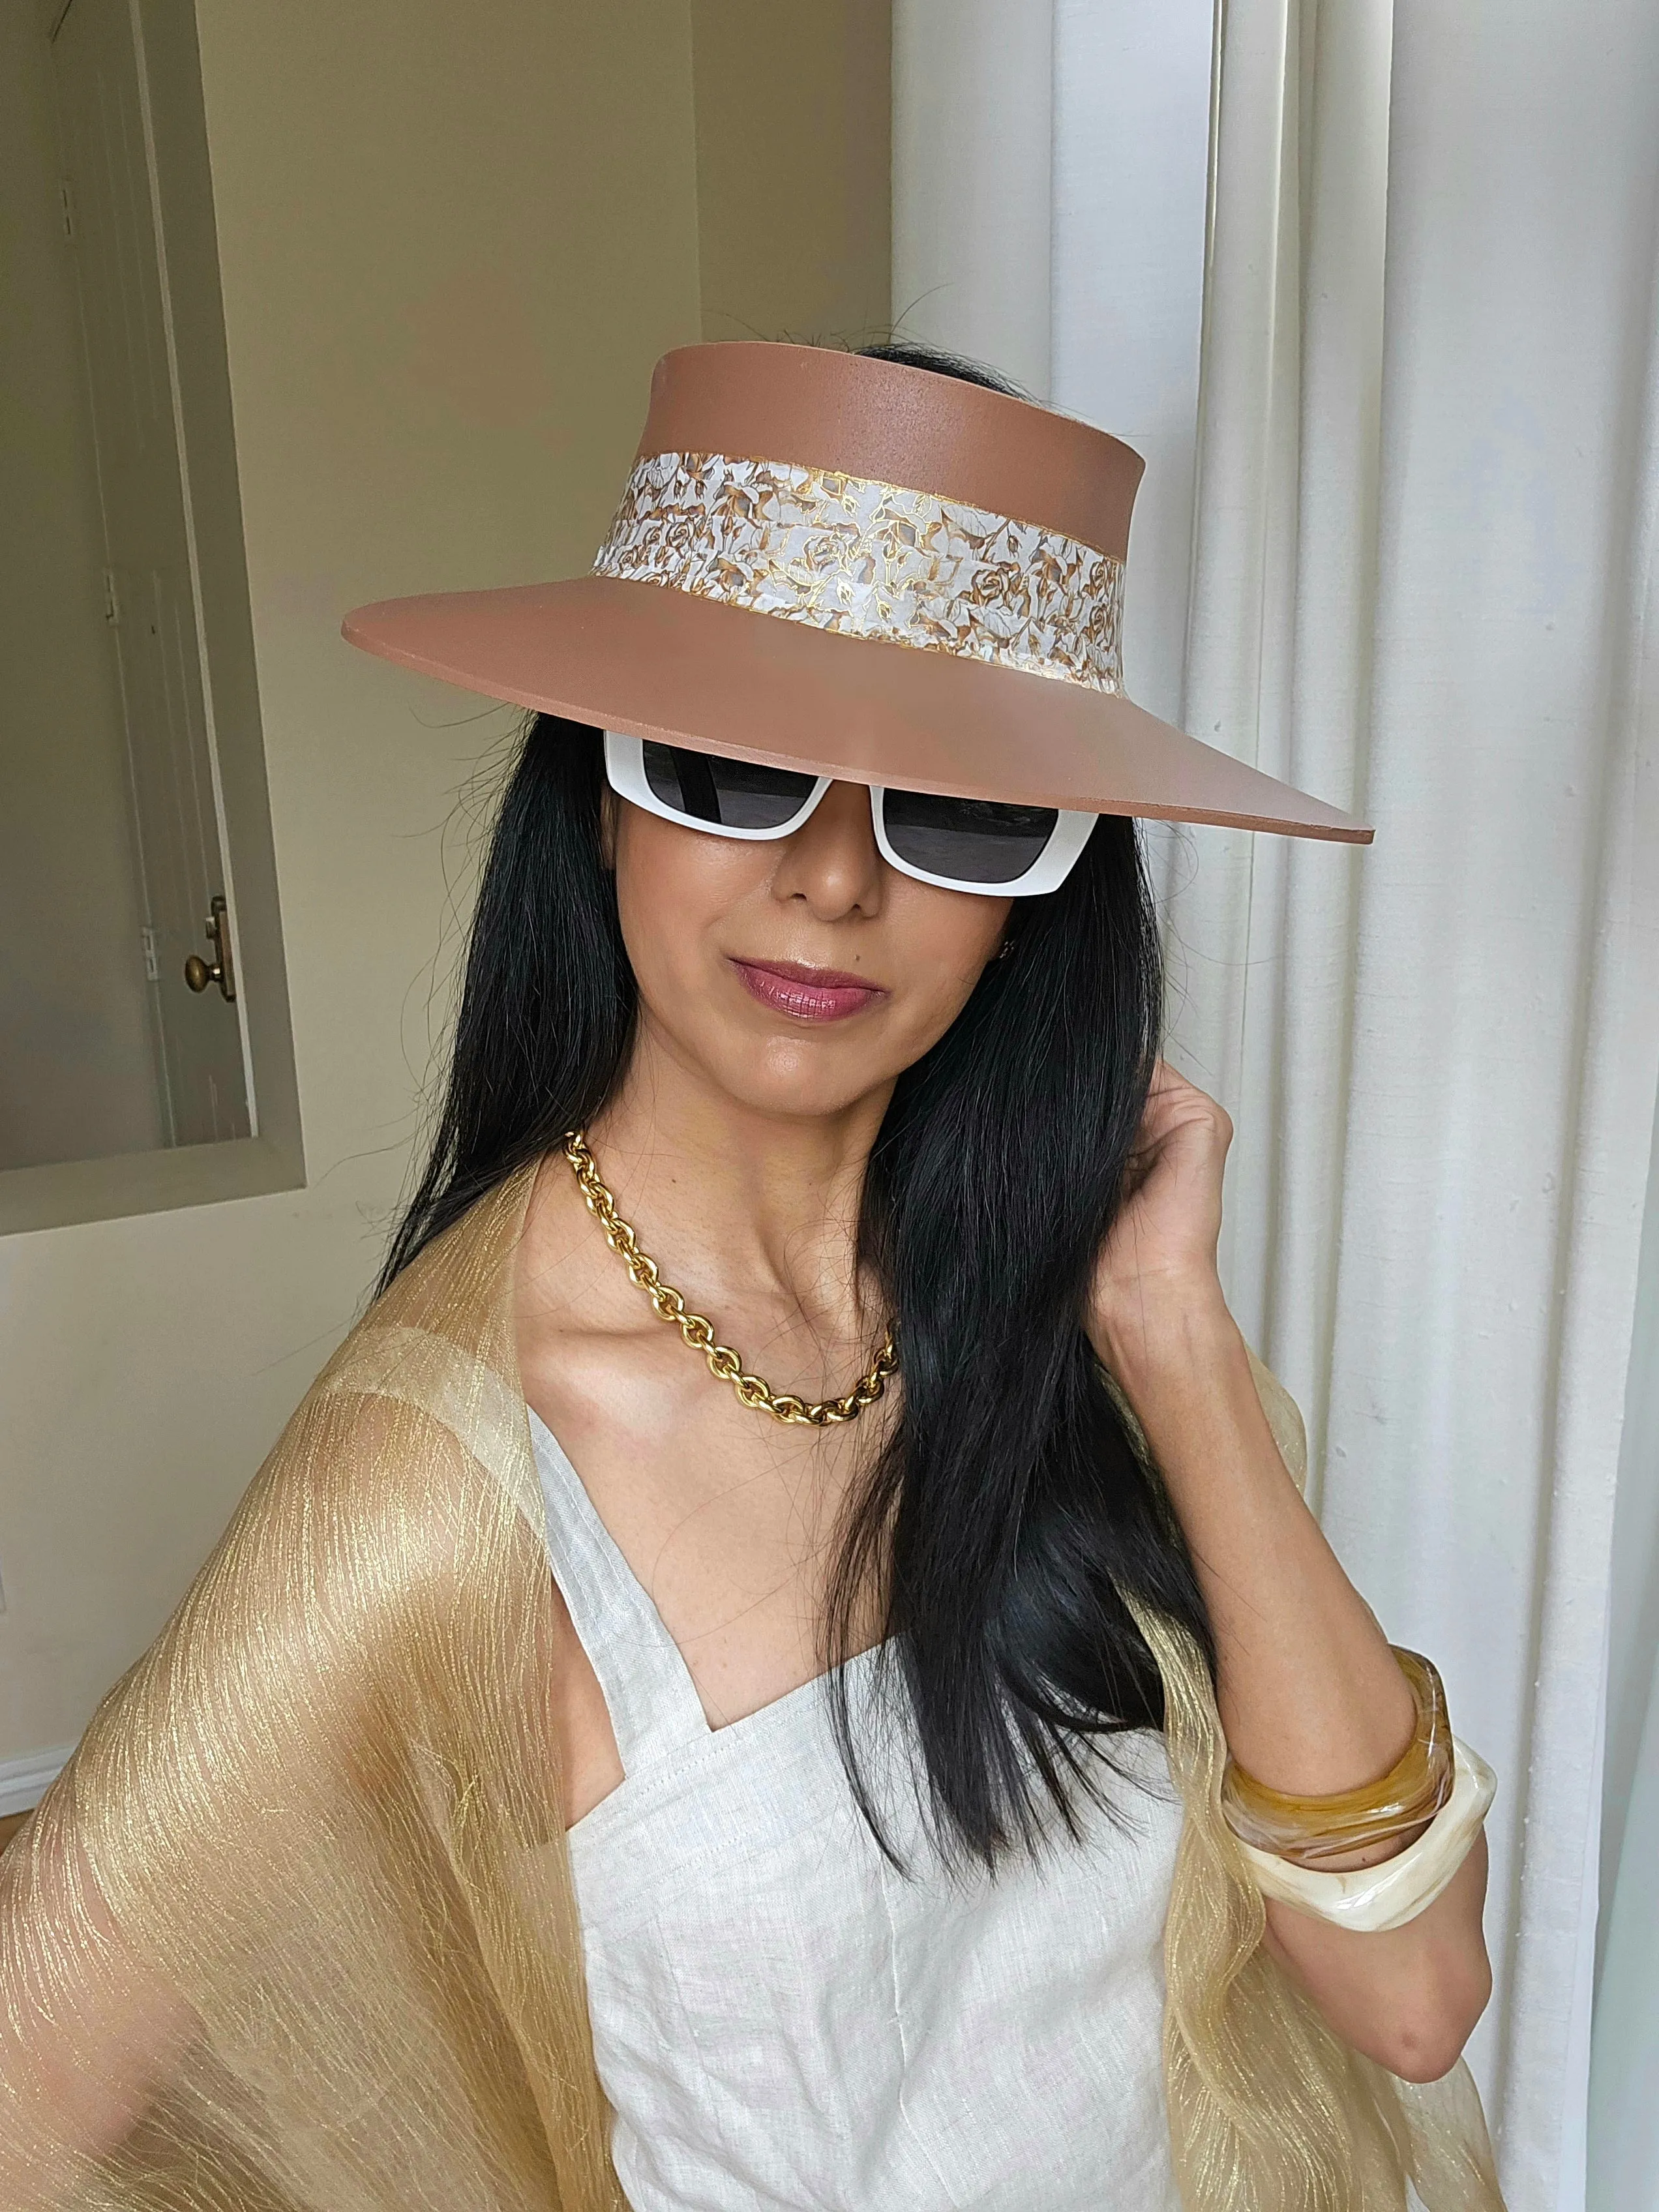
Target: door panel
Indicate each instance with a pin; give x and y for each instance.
(120, 261)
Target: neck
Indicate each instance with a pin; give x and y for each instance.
(769, 1202)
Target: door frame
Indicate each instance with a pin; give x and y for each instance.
(273, 1157)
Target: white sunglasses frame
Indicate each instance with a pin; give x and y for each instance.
(624, 769)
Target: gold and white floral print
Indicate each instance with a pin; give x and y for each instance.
(872, 560)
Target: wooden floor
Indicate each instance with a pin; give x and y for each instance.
(10, 1826)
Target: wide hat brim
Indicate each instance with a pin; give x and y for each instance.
(659, 663)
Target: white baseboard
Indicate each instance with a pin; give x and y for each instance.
(24, 1781)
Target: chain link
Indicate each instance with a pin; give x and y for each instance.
(698, 1332)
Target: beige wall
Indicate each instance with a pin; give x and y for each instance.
(453, 240)
(77, 1076)
(793, 109)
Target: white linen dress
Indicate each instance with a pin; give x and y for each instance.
(784, 2019)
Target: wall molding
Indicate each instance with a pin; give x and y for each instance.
(25, 1780)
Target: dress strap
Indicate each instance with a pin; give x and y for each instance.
(653, 1702)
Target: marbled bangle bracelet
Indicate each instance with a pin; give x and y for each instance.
(1371, 1900)
(1310, 1831)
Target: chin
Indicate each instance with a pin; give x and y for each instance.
(795, 1077)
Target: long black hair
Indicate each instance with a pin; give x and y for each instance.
(1006, 1515)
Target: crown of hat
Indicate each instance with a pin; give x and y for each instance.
(819, 407)
(881, 500)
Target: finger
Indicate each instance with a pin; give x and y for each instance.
(1169, 1083)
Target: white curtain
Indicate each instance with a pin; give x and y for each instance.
(1624, 2130)
(1421, 583)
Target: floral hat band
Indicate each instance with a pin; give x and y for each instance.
(872, 560)
(866, 569)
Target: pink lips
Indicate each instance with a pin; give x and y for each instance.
(810, 994)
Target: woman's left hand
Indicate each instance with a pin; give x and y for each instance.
(1158, 1260)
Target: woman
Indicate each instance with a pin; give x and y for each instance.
(875, 1678)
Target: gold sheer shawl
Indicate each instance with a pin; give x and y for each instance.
(293, 1931)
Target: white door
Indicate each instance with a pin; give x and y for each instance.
(111, 207)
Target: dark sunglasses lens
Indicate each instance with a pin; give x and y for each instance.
(972, 840)
(728, 794)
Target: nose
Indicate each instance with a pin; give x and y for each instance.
(832, 862)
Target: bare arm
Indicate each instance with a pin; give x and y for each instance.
(1312, 1700)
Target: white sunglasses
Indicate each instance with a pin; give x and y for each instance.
(958, 844)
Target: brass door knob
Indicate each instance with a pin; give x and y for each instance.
(199, 973)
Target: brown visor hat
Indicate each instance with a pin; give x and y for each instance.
(865, 570)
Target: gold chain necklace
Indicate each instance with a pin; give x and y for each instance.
(723, 1364)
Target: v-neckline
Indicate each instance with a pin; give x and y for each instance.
(666, 1663)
